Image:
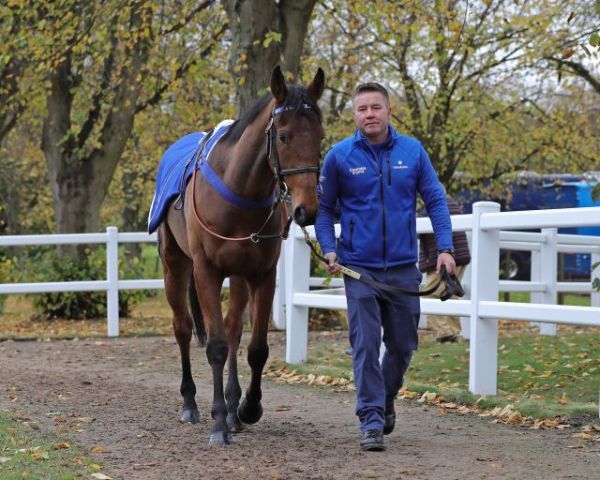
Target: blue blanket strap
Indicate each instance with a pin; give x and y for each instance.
(217, 184)
(200, 162)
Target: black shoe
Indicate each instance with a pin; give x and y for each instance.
(372, 441)
(390, 422)
(447, 339)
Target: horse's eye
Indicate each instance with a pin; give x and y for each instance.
(283, 137)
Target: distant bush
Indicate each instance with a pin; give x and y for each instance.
(6, 267)
(50, 267)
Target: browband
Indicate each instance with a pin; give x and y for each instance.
(278, 110)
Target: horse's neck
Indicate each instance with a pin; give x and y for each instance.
(247, 172)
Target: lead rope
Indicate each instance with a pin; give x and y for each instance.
(357, 276)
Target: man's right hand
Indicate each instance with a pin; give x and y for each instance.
(331, 266)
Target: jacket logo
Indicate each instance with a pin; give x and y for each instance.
(358, 170)
(400, 165)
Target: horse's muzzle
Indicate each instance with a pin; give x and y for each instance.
(303, 217)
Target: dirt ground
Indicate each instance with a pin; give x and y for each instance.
(119, 399)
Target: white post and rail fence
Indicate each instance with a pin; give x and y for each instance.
(490, 230)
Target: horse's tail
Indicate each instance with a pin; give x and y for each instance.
(196, 313)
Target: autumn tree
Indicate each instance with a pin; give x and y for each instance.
(465, 80)
(264, 33)
(123, 57)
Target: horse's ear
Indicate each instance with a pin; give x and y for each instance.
(316, 87)
(278, 86)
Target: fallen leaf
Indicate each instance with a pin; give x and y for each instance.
(62, 445)
(564, 400)
(583, 436)
(138, 466)
(85, 419)
(101, 476)
(98, 449)
(4, 459)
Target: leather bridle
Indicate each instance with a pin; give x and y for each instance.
(273, 158)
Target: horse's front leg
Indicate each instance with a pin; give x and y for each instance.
(261, 294)
(208, 288)
(238, 298)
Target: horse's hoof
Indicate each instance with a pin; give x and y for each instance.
(219, 439)
(190, 416)
(234, 424)
(248, 415)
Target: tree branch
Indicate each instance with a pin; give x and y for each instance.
(579, 70)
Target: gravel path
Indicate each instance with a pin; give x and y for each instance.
(119, 399)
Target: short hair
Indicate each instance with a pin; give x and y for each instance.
(371, 87)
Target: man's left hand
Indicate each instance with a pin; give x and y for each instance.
(447, 260)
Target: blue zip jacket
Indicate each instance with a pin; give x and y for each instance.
(377, 200)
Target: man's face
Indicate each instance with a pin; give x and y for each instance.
(372, 115)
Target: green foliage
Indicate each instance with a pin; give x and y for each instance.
(596, 193)
(79, 305)
(477, 95)
(5, 275)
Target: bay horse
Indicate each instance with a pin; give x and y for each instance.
(206, 235)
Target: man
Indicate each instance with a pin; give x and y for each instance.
(446, 327)
(375, 175)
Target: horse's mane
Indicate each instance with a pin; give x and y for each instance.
(296, 98)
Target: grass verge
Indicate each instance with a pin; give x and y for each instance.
(26, 453)
(538, 376)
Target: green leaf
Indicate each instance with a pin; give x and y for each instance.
(596, 193)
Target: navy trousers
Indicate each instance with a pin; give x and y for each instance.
(370, 309)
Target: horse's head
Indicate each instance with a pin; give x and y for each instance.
(295, 138)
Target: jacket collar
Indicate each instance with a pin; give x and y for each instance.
(392, 136)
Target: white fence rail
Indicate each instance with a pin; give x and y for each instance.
(111, 285)
(482, 309)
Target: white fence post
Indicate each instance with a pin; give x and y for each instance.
(297, 275)
(595, 273)
(465, 324)
(536, 276)
(549, 273)
(112, 276)
(279, 299)
(483, 341)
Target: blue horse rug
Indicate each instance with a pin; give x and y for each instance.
(176, 167)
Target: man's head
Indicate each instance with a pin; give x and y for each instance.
(371, 107)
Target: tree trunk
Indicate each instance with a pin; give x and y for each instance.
(265, 33)
(80, 181)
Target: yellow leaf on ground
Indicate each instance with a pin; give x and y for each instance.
(40, 455)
